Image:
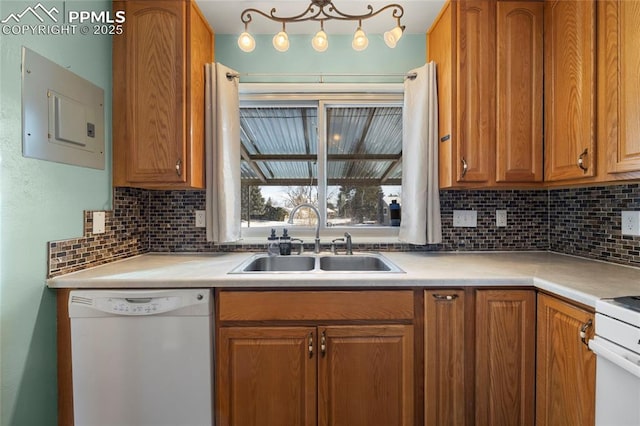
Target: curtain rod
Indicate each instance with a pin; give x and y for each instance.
(321, 76)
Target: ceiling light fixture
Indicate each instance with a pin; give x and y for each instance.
(321, 11)
(281, 40)
(319, 41)
(392, 37)
(246, 42)
(360, 40)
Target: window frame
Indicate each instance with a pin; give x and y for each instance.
(322, 96)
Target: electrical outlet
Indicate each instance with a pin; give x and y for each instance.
(465, 219)
(631, 223)
(98, 222)
(201, 220)
(501, 218)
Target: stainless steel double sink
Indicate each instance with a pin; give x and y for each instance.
(321, 263)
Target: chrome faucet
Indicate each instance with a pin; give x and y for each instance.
(316, 247)
(348, 243)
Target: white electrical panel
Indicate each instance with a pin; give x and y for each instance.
(62, 114)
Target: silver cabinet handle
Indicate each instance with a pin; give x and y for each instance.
(310, 345)
(445, 296)
(581, 160)
(465, 167)
(323, 344)
(179, 167)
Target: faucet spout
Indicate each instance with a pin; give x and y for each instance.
(348, 243)
(316, 247)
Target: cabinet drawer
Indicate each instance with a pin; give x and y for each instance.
(315, 305)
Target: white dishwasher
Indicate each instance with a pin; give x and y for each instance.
(142, 357)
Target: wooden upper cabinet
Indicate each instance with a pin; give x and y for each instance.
(570, 89)
(505, 357)
(475, 100)
(620, 28)
(519, 38)
(441, 49)
(461, 43)
(158, 95)
(445, 355)
(489, 58)
(566, 368)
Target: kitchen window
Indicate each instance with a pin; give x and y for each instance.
(344, 149)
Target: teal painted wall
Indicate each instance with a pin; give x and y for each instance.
(40, 201)
(338, 58)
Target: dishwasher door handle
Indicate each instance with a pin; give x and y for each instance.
(629, 363)
(138, 299)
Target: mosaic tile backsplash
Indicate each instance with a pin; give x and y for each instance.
(126, 234)
(587, 222)
(172, 223)
(579, 221)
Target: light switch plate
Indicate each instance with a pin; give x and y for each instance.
(98, 222)
(631, 223)
(201, 220)
(465, 218)
(501, 218)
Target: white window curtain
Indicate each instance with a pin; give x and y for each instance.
(222, 151)
(420, 222)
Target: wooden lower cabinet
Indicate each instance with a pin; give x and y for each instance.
(266, 376)
(566, 368)
(365, 375)
(479, 357)
(445, 355)
(320, 368)
(505, 357)
(359, 375)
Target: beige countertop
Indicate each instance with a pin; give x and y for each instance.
(581, 280)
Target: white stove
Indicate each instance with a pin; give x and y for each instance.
(617, 347)
(626, 309)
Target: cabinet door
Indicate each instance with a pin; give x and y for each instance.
(519, 38)
(266, 376)
(566, 368)
(441, 49)
(569, 31)
(621, 97)
(444, 397)
(476, 90)
(505, 357)
(366, 375)
(156, 85)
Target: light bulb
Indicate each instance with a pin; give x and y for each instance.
(392, 37)
(246, 42)
(360, 41)
(320, 42)
(281, 41)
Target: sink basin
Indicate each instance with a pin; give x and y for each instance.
(316, 264)
(280, 264)
(355, 263)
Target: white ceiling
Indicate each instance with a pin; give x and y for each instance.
(224, 16)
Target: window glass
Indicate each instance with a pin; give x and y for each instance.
(364, 153)
(279, 162)
(357, 169)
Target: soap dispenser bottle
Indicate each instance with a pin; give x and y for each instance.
(285, 243)
(273, 249)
